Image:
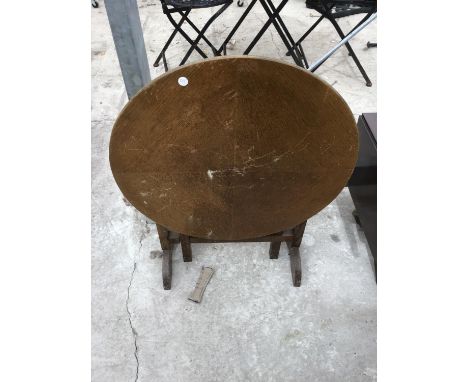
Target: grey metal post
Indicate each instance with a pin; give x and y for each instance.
(124, 20)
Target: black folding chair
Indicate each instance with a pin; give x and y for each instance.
(183, 8)
(333, 10)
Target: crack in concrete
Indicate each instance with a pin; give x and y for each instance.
(134, 332)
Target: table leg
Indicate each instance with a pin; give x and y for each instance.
(167, 268)
(298, 233)
(295, 255)
(295, 261)
(275, 247)
(167, 256)
(186, 248)
(163, 237)
(293, 246)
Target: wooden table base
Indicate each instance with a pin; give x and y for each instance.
(292, 238)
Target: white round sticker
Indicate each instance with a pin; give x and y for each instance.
(183, 81)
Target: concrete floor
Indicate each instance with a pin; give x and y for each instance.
(252, 324)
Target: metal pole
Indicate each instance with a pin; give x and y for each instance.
(124, 20)
(322, 59)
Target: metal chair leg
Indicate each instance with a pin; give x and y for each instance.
(208, 42)
(185, 35)
(287, 35)
(236, 27)
(264, 28)
(178, 29)
(348, 46)
(307, 32)
(168, 42)
(166, 67)
(195, 42)
(303, 56)
(353, 55)
(272, 20)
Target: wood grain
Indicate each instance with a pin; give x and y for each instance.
(249, 147)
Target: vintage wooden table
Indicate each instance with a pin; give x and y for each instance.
(233, 149)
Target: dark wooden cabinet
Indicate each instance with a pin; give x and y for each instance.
(363, 182)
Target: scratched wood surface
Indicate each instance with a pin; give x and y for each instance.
(233, 148)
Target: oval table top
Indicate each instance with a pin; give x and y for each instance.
(233, 148)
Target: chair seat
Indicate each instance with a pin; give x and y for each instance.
(196, 3)
(343, 8)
